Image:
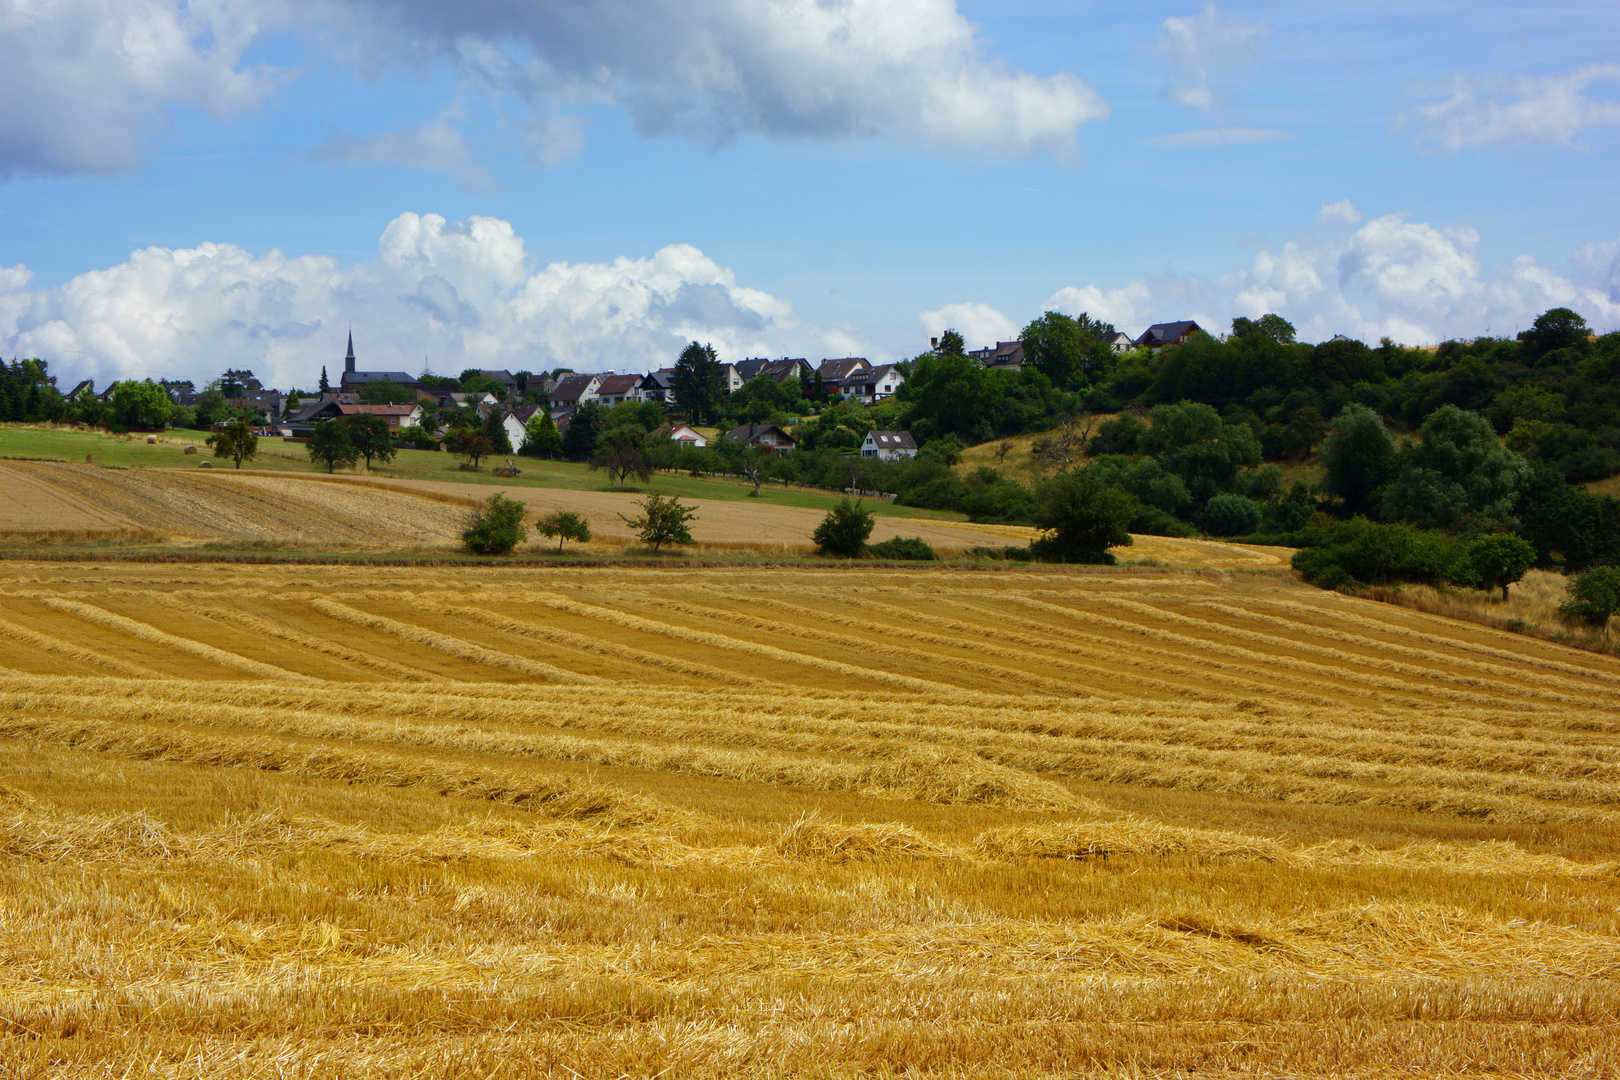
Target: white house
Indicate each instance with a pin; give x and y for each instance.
(889, 445)
(872, 385)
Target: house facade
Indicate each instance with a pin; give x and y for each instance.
(873, 384)
(888, 445)
(618, 389)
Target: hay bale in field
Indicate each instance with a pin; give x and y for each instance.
(205, 465)
(151, 440)
(191, 450)
(809, 837)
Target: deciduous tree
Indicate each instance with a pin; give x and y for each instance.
(844, 530)
(329, 444)
(564, 525)
(662, 521)
(235, 441)
(371, 437)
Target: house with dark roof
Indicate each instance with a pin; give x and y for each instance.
(1161, 335)
(659, 386)
(834, 372)
(1004, 356)
(680, 434)
(888, 445)
(764, 436)
(872, 385)
(780, 370)
(572, 391)
(1118, 341)
(618, 389)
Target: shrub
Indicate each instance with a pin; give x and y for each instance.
(1593, 597)
(844, 530)
(1083, 517)
(903, 547)
(1230, 515)
(496, 527)
(564, 525)
(662, 521)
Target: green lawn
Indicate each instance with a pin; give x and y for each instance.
(116, 451)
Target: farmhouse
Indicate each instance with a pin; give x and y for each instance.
(889, 445)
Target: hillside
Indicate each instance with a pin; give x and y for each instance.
(524, 822)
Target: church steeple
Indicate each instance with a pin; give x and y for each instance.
(348, 361)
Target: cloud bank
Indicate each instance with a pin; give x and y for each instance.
(1367, 278)
(451, 295)
(83, 78)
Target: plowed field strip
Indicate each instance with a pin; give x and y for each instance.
(1340, 657)
(739, 645)
(1575, 690)
(887, 649)
(145, 632)
(358, 657)
(1246, 680)
(49, 643)
(586, 644)
(1397, 624)
(1322, 672)
(450, 646)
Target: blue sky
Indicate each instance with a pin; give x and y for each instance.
(533, 183)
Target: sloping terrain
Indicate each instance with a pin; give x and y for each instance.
(262, 820)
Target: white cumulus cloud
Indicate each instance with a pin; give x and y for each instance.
(979, 324)
(1546, 110)
(451, 295)
(82, 79)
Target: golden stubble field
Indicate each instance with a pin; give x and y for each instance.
(292, 821)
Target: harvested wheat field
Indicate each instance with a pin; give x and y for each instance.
(290, 821)
(298, 508)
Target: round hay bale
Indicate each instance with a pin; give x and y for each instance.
(205, 465)
(191, 449)
(151, 440)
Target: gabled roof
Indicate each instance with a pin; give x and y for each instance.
(1164, 333)
(378, 410)
(618, 385)
(892, 440)
(505, 378)
(86, 386)
(780, 370)
(874, 375)
(1002, 354)
(662, 379)
(524, 413)
(752, 433)
(574, 387)
(838, 370)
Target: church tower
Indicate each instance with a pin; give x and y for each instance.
(348, 361)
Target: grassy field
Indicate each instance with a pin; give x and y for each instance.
(780, 821)
(132, 452)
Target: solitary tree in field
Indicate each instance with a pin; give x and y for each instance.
(1495, 562)
(564, 525)
(235, 441)
(662, 521)
(624, 454)
(496, 527)
(1593, 597)
(329, 444)
(470, 443)
(844, 530)
(371, 438)
(1083, 518)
